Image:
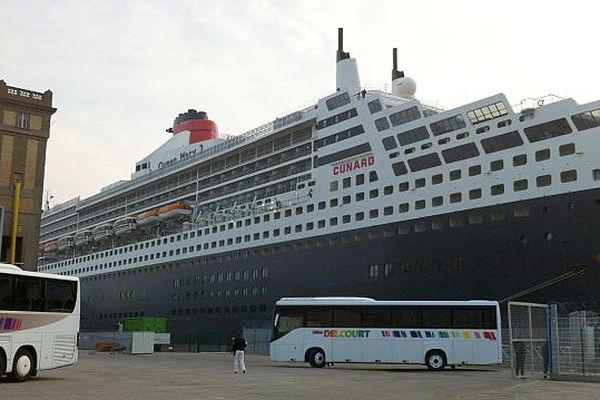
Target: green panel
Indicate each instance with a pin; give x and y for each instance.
(145, 324)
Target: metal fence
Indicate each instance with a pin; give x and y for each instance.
(554, 341)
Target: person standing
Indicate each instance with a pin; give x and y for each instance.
(237, 349)
(520, 353)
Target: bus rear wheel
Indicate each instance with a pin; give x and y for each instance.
(316, 358)
(22, 366)
(2, 363)
(435, 360)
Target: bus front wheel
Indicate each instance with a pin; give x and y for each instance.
(23, 366)
(316, 358)
(435, 360)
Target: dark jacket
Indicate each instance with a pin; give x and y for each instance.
(239, 343)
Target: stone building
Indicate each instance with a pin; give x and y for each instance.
(24, 130)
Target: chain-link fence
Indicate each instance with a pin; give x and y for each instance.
(557, 341)
(575, 343)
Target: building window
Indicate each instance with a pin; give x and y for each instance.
(373, 270)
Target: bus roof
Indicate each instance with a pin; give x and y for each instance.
(348, 301)
(13, 269)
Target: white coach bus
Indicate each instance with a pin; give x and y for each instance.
(325, 330)
(39, 321)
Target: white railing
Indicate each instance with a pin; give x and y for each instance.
(531, 103)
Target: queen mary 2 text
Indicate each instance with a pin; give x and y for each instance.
(354, 164)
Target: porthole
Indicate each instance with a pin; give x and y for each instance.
(548, 236)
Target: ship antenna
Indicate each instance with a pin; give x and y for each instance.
(395, 73)
(341, 55)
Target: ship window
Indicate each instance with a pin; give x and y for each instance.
(566, 149)
(448, 125)
(298, 210)
(373, 272)
(455, 175)
(419, 183)
(382, 124)
(298, 228)
(487, 113)
(455, 197)
(475, 170)
(399, 168)
(521, 211)
(497, 165)
(420, 227)
(374, 106)
(542, 155)
(519, 160)
(360, 179)
(436, 179)
(587, 120)
(425, 146)
(333, 221)
(498, 215)
(388, 210)
(474, 194)
(458, 153)
(389, 143)
(544, 180)
(287, 230)
(404, 116)
(373, 176)
(443, 141)
(403, 207)
(359, 216)
(437, 224)
(276, 232)
(520, 185)
(413, 135)
(463, 135)
(373, 193)
(288, 213)
(404, 230)
(455, 221)
(419, 204)
(475, 218)
(346, 199)
(568, 176)
(321, 223)
(338, 101)
(359, 196)
(403, 187)
(333, 186)
(497, 189)
(346, 219)
(596, 174)
(502, 142)
(424, 162)
(310, 208)
(346, 182)
(504, 122)
(548, 130)
(437, 201)
(333, 203)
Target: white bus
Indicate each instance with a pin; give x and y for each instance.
(39, 321)
(325, 330)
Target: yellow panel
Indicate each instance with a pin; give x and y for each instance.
(35, 122)
(10, 118)
(31, 157)
(6, 154)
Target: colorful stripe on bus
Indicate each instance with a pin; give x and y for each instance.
(364, 333)
(10, 324)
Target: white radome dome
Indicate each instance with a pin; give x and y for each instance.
(404, 87)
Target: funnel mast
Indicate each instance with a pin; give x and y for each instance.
(347, 78)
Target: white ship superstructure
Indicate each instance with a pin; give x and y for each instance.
(363, 193)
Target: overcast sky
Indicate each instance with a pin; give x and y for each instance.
(122, 70)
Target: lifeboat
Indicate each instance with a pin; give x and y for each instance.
(148, 218)
(124, 226)
(51, 246)
(101, 232)
(83, 238)
(175, 210)
(65, 242)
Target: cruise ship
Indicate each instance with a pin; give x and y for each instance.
(364, 193)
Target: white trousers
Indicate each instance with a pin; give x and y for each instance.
(238, 361)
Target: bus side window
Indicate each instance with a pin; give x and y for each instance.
(318, 317)
(377, 317)
(489, 318)
(467, 318)
(28, 294)
(437, 317)
(5, 292)
(407, 317)
(60, 296)
(347, 317)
